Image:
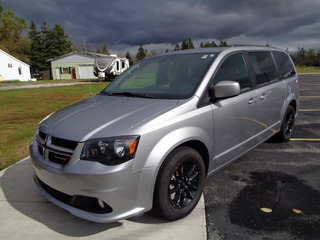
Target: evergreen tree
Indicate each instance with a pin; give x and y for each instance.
(213, 44)
(36, 50)
(105, 50)
(128, 56)
(47, 43)
(177, 48)
(190, 44)
(184, 45)
(98, 50)
(141, 54)
(223, 44)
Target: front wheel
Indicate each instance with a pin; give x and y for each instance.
(287, 125)
(179, 184)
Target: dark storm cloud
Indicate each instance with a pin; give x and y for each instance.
(131, 22)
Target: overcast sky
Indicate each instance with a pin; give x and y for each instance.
(161, 24)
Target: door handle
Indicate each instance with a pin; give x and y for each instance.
(263, 97)
(252, 100)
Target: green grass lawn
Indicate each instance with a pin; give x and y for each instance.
(19, 83)
(304, 69)
(21, 110)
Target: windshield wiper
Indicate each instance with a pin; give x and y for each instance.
(105, 93)
(128, 94)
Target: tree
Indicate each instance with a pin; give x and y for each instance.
(223, 44)
(177, 48)
(190, 44)
(47, 43)
(141, 54)
(128, 56)
(213, 44)
(36, 52)
(105, 50)
(208, 45)
(58, 43)
(184, 45)
(12, 29)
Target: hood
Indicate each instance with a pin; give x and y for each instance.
(103, 116)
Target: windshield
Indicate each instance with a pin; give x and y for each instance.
(165, 76)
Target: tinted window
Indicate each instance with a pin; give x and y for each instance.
(264, 67)
(285, 66)
(234, 68)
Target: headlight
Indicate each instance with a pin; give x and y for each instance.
(110, 151)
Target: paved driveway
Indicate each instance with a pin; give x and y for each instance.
(26, 214)
(282, 177)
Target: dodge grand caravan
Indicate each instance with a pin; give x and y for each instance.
(150, 138)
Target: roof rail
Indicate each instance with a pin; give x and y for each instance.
(247, 45)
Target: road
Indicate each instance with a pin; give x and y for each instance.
(282, 177)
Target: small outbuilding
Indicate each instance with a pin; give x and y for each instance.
(12, 69)
(73, 65)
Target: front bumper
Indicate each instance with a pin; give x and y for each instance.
(125, 193)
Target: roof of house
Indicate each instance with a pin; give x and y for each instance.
(14, 58)
(88, 54)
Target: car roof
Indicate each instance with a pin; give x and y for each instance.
(232, 48)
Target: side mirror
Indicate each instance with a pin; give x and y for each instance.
(224, 89)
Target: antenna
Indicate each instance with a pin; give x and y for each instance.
(84, 46)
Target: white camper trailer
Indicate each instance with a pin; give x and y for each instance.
(108, 67)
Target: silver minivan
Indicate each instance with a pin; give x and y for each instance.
(151, 137)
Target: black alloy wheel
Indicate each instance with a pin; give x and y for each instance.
(183, 185)
(287, 125)
(179, 183)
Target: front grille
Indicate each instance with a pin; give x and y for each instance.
(84, 203)
(56, 150)
(64, 143)
(40, 149)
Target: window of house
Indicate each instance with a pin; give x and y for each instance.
(65, 70)
(235, 69)
(123, 65)
(263, 66)
(19, 70)
(9, 65)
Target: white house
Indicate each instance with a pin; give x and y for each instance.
(12, 68)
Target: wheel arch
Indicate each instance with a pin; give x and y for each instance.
(201, 148)
(293, 103)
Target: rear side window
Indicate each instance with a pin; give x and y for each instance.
(234, 68)
(264, 67)
(285, 66)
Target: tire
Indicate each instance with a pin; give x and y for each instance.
(287, 125)
(179, 184)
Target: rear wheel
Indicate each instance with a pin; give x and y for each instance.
(287, 125)
(179, 184)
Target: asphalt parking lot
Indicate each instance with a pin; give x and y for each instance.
(283, 179)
